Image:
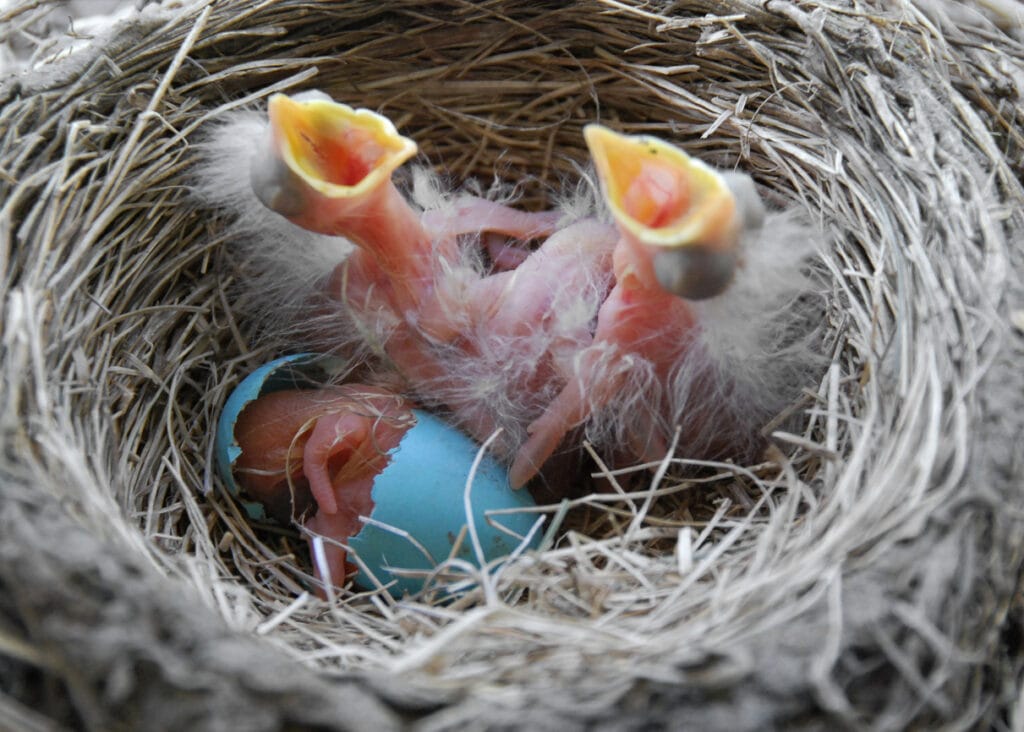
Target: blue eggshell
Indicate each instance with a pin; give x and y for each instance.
(421, 492)
(298, 371)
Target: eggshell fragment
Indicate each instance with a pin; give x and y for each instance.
(421, 492)
(297, 371)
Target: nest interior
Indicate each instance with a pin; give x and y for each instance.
(867, 575)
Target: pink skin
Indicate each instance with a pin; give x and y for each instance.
(375, 280)
(634, 320)
(638, 318)
(507, 304)
(475, 216)
(401, 279)
(319, 448)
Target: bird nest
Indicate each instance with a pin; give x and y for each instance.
(865, 572)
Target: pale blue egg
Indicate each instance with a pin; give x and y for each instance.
(421, 492)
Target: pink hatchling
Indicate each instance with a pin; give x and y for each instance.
(669, 308)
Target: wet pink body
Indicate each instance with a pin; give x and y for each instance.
(325, 446)
(409, 284)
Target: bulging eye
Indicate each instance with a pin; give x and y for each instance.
(276, 186)
(304, 370)
(694, 272)
(750, 208)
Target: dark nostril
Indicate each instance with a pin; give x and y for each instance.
(694, 272)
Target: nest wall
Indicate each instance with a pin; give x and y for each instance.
(866, 574)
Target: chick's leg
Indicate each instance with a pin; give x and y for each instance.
(633, 324)
(471, 215)
(556, 289)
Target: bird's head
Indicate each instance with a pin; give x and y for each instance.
(680, 220)
(324, 153)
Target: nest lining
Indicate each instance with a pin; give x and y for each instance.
(863, 573)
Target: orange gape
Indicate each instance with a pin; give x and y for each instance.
(326, 445)
(657, 196)
(537, 345)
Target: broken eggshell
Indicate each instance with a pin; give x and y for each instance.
(298, 371)
(418, 508)
(421, 491)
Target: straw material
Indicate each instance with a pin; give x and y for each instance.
(867, 573)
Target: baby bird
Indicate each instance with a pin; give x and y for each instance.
(674, 317)
(679, 230)
(320, 449)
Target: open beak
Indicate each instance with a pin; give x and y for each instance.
(328, 169)
(677, 215)
(328, 165)
(338, 151)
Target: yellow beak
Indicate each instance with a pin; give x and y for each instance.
(659, 194)
(338, 151)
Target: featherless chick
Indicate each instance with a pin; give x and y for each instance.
(670, 308)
